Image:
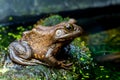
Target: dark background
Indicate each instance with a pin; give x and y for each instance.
(92, 15)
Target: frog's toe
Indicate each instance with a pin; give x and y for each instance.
(66, 66)
(63, 61)
(38, 62)
(69, 64)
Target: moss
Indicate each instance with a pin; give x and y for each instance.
(52, 20)
(10, 18)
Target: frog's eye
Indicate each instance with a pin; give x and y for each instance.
(69, 27)
(58, 33)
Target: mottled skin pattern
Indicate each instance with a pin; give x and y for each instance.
(41, 44)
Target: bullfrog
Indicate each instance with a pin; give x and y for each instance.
(41, 44)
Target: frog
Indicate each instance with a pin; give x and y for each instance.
(41, 44)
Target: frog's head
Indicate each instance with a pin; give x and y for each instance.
(66, 31)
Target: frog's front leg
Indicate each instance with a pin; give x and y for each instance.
(53, 61)
(21, 53)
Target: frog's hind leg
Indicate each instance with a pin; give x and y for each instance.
(19, 60)
(38, 62)
(20, 53)
(27, 62)
(22, 61)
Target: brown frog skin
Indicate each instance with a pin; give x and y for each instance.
(41, 44)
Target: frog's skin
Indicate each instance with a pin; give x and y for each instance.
(41, 44)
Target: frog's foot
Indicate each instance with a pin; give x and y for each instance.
(38, 62)
(65, 65)
(8, 64)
